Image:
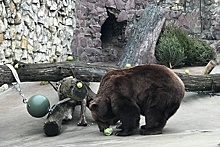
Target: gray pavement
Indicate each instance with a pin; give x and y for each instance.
(196, 123)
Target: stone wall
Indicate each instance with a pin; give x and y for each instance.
(34, 30)
(198, 17)
(95, 38)
(90, 30)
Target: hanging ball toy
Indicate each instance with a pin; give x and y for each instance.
(38, 106)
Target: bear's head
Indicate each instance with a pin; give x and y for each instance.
(102, 113)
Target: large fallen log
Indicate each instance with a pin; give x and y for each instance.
(55, 71)
(199, 83)
(93, 73)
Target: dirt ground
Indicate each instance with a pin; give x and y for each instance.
(196, 123)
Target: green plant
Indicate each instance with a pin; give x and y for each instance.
(198, 53)
(169, 51)
(176, 48)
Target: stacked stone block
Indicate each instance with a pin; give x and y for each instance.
(34, 30)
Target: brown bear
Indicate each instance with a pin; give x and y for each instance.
(151, 90)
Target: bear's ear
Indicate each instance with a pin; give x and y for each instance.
(93, 106)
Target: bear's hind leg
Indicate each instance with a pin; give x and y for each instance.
(155, 121)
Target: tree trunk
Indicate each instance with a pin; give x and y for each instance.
(93, 73)
(140, 47)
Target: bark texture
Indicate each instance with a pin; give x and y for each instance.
(93, 73)
(140, 47)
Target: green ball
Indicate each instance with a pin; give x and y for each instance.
(186, 71)
(70, 58)
(128, 65)
(79, 85)
(108, 131)
(38, 106)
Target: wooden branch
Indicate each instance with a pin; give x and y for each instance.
(209, 67)
(93, 73)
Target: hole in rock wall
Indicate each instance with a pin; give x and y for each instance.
(113, 35)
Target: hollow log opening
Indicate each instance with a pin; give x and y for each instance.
(113, 35)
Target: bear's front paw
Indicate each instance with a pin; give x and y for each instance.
(124, 133)
(119, 126)
(150, 131)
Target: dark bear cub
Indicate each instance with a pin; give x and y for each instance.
(151, 90)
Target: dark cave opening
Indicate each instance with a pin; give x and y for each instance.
(113, 35)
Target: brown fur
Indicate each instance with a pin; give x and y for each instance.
(153, 91)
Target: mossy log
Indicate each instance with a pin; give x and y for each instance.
(93, 73)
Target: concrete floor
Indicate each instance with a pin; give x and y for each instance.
(196, 123)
